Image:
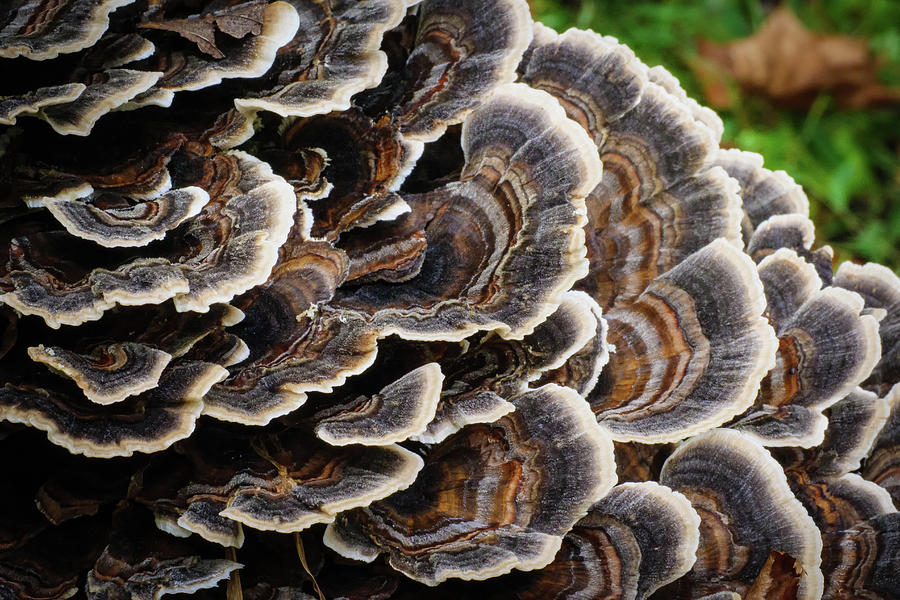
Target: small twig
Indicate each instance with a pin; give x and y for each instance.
(234, 591)
(302, 554)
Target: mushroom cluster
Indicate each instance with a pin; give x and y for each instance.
(395, 299)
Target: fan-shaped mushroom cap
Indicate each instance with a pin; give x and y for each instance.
(485, 374)
(746, 510)
(294, 347)
(491, 497)
(148, 422)
(333, 56)
(144, 564)
(853, 424)
(764, 192)
(883, 463)
(43, 29)
(868, 560)
(135, 225)
(660, 76)
(880, 288)
(111, 373)
(235, 242)
(689, 352)
(463, 50)
(506, 241)
(400, 410)
(638, 538)
(253, 57)
(581, 371)
(363, 164)
(646, 214)
(106, 91)
(31, 102)
(281, 482)
(825, 349)
(796, 232)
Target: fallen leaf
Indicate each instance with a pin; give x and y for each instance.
(791, 65)
(235, 21)
(779, 579)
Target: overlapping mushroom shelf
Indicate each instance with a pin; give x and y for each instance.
(416, 299)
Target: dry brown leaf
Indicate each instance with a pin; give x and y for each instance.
(791, 65)
(779, 579)
(235, 21)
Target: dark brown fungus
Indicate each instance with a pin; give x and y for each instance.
(252, 217)
(400, 410)
(147, 422)
(867, 560)
(880, 288)
(334, 55)
(795, 232)
(506, 240)
(282, 482)
(111, 373)
(251, 57)
(883, 463)
(31, 102)
(581, 371)
(481, 379)
(491, 498)
(43, 30)
(746, 510)
(141, 563)
(644, 217)
(825, 349)
(638, 538)
(764, 193)
(689, 352)
(127, 225)
(463, 50)
(294, 346)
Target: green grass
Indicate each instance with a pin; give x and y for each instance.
(848, 161)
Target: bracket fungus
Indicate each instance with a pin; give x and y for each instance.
(380, 299)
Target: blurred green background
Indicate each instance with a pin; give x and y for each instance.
(847, 159)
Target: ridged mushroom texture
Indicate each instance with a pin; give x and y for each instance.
(398, 299)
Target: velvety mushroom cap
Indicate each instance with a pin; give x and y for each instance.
(135, 225)
(657, 201)
(482, 378)
(793, 231)
(234, 244)
(252, 57)
(763, 192)
(689, 353)
(148, 422)
(869, 555)
(144, 564)
(282, 482)
(464, 49)
(334, 55)
(294, 347)
(111, 373)
(883, 464)
(880, 288)
(490, 498)
(43, 30)
(746, 510)
(581, 371)
(400, 410)
(638, 538)
(825, 349)
(527, 170)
